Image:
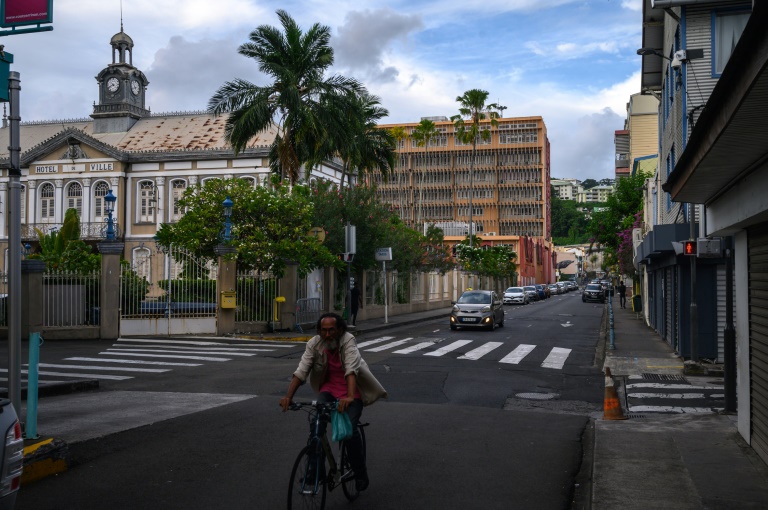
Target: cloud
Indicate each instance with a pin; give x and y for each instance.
(632, 5)
(365, 38)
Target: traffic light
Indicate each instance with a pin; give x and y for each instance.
(346, 257)
(689, 247)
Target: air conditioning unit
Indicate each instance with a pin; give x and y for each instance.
(490, 233)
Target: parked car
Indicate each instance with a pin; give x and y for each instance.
(477, 308)
(543, 291)
(533, 294)
(563, 288)
(593, 292)
(11, 454)
(515, 296)
(553, 289)
(572, 285)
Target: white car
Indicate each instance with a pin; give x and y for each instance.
(515, 296)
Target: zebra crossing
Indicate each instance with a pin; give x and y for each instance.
(555, 359)
(129, 358)
(652, 393)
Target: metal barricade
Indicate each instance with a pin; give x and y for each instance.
(308, 310)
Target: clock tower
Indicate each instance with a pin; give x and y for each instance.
(122, 90)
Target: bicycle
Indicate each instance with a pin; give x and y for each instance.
(310, 477)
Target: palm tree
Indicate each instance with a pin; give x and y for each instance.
(473, 108)
(399, 134)
(301, 103)
(423, 134)
(362, 146)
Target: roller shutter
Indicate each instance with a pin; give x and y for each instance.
(758, 338)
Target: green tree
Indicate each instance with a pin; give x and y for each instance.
(494, 261)
(473, 108)
(589, 183)
(422, 135)
(270, 225)
(62, 250)
(365, 148)
(569, 224)
(301, 103)
(605, 227)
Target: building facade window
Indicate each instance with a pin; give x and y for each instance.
(142, 263)
(177, 192)
(47, 203)
(146, 201)
(75, 198)
(100, 190)
(727, 27)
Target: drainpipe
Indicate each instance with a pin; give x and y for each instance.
(694, 311)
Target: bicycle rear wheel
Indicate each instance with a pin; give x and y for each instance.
(307, 484)
(348, 484)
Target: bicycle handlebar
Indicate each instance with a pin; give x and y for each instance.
(295, 406)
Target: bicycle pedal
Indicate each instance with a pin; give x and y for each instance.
(349, 475)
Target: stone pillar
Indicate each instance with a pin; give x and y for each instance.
(288, 284)
(109, 290)
(31, 297)
(59, 210)
(226, 282)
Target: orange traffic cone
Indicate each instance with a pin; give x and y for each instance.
(611, 405)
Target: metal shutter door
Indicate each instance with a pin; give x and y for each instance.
(758, 338)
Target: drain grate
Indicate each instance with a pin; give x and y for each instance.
(664, 377)
(635, 416)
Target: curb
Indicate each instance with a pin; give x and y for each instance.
(44, 458)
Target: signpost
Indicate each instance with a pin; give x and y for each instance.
(384, 254)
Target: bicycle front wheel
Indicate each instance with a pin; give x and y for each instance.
(307, 484)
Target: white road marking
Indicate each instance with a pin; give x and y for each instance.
(201, 343)
(556, 358)
(201, 358)
(669, 386)
(667, 395)
(85, 376)
(389, 345)
(125, 349)
(136, 362)
(673, 409)
(197, 347)
(436, 331)
(516, 356)
(116, 369)
(481, 351)
(414, 348)
(448, 348)
(567, 324)
(374, 341)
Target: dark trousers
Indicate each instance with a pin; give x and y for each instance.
(355, 443)
(622, 300)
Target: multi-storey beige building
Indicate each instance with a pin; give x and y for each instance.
(510, 188)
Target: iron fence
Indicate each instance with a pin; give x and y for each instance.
(71, 299)
(256, 293)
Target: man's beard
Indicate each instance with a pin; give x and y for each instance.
(332, 345)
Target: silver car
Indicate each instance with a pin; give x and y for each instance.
(515, 296)
(533, 294)
(477, 309)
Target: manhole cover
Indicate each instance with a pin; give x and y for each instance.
(536, 396)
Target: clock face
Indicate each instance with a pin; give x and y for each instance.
(135, 87)
(113, 84)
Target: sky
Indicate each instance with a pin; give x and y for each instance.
(572, 62)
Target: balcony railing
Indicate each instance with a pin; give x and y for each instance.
(88, 231)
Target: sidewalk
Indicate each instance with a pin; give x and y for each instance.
(676, 461)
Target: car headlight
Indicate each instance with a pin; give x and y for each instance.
(486, 309)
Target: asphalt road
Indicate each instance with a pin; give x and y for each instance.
(460, 430)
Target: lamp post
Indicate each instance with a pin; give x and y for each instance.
(227, 234)
(109, 201)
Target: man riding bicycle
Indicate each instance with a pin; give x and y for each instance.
(337, 372)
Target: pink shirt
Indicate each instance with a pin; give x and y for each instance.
(336, 383)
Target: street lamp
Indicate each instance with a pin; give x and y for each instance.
(109, 204)
(227, 234)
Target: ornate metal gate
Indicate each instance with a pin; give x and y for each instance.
(168, 293)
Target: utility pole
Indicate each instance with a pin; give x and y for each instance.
(14, 246)
(694, 310)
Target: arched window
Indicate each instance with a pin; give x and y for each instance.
(146, 208)
(177, 191)
(99, 206)
(47, 203)
(250, 180)
(75, 198)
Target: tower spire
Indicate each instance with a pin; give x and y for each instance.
(121, 15)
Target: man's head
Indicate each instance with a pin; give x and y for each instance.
(331, 327)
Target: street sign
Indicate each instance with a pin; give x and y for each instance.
(350, 240)
(383, 254)
(6, 59)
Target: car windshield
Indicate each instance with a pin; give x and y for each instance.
(475, 298)
(593, 286)
(532, 289)
(514, 290)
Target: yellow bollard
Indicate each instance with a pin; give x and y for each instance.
(276, 313)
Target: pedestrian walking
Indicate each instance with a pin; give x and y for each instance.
(622, 290)
(357, 300)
